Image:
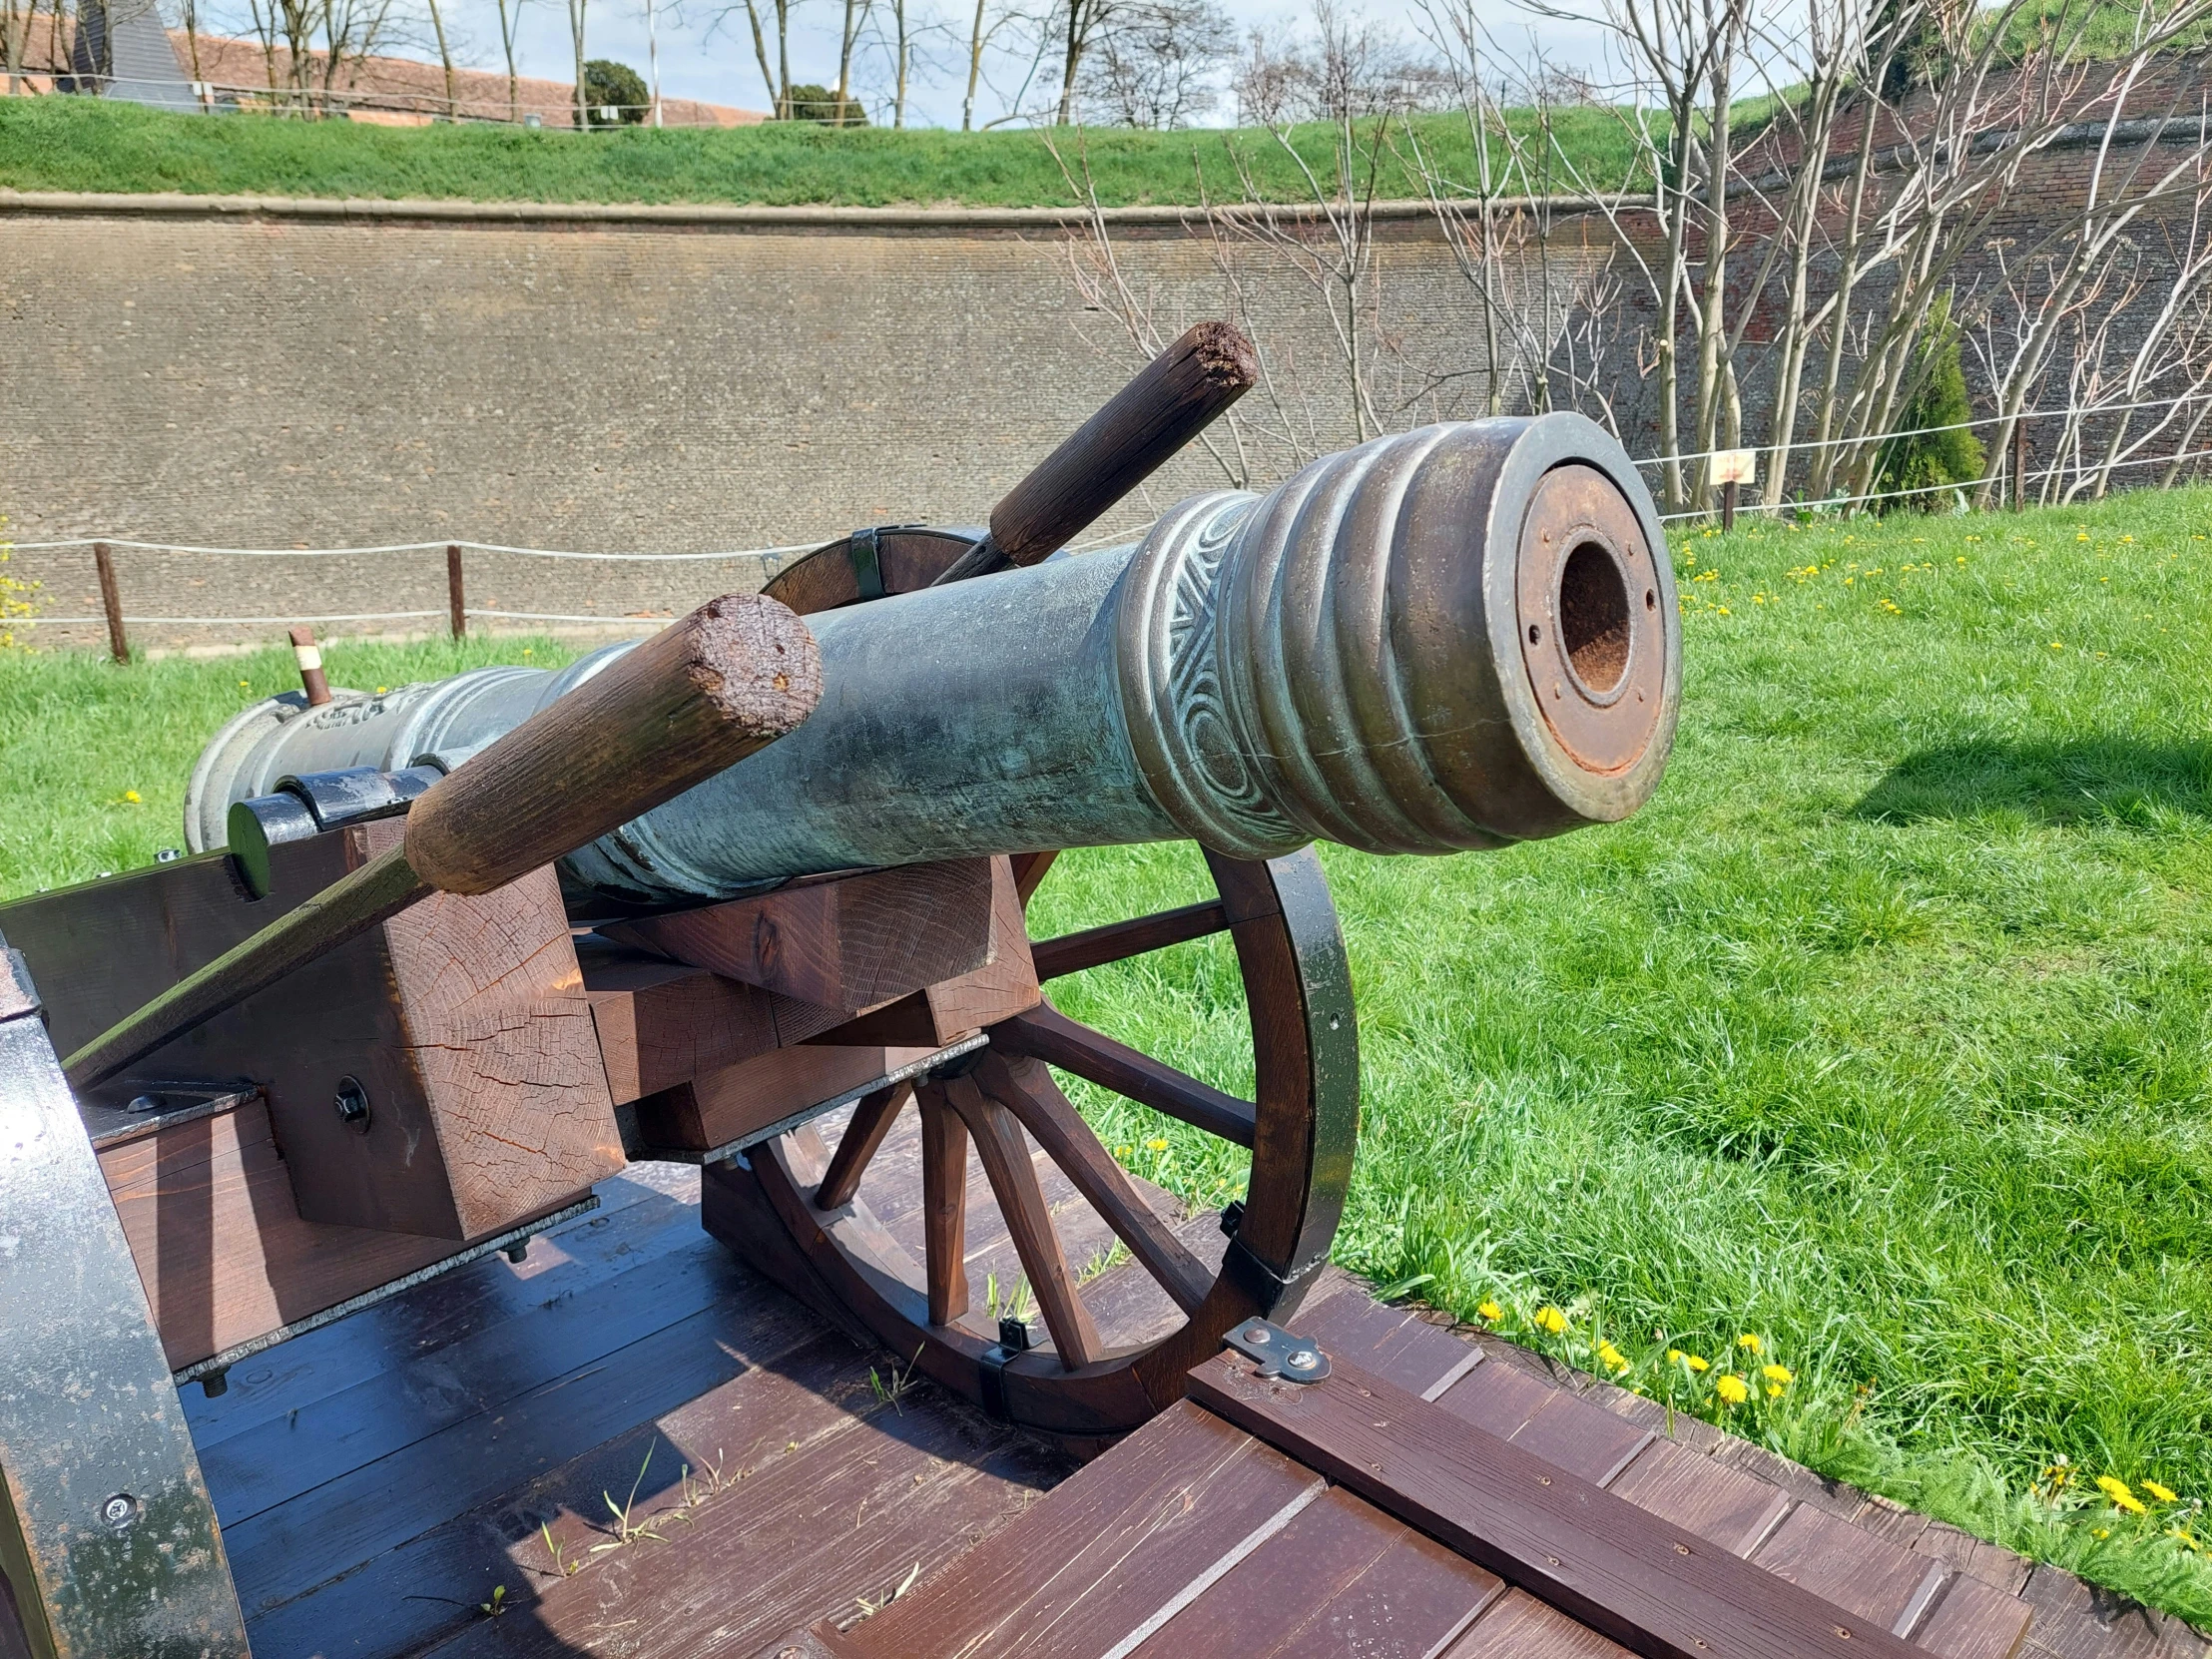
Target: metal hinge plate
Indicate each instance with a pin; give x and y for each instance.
(1279, 1352)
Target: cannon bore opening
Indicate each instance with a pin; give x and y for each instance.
(1593, 617)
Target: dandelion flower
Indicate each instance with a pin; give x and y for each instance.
(2164, 1494)
(2186, 1539)
(132, 796)
(1777, 1374)
(1490, 1311)
(1612, 1356)
(1696, 1364)
(1551, 1319)
(2055, 645)
(380, 691)
(1749, 1343)
(2117, 1490)
(1156, 1143)
(245, 685)
(2099, 1532)
(1732, 1388)
(1124, 1151)
(1773, 1390)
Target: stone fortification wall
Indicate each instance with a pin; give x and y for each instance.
(653, 380)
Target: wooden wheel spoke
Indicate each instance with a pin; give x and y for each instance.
(944, 1146)
(1026, 1089)
(872, 1121)
(1119, 940)
(1013, 1178)
(1044, 1033)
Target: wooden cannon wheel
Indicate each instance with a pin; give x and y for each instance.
(1300, 1128)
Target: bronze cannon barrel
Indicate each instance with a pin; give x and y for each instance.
(1456, 638)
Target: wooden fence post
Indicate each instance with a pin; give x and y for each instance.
(111, 601)
(310, 657)
(454, 590)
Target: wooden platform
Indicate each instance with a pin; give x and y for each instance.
(656, 1453)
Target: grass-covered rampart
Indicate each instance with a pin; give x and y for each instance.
(86, 144)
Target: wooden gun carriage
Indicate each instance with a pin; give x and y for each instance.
(426, 997)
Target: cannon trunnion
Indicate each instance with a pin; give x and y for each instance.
(1460, 637)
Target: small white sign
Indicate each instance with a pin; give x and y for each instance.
(1735, 467)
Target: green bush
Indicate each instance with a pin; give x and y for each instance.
(607, 81)
(820, 104)
(1914, 469)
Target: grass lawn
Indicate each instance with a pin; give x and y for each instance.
(86, 144)
(1881, 1035)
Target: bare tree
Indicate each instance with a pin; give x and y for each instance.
(510, 23)
(1157, 64)
(576, 39)
(446, 57)
(1081, 21)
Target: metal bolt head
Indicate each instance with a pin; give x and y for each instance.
(120, 1510)
(1257, 1335)
(144, 1103)
(353, 1104)
(1301, 1358)
(519, 1253)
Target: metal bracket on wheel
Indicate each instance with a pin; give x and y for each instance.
(106, 1534)
(1280, 1352)
(1268, 1289)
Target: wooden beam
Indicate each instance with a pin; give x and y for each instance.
(849, 943)
(1656, 1589)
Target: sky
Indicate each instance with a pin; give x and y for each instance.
(702, 58)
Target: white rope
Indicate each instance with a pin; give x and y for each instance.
(413, 547)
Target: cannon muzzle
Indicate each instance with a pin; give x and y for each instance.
(1457, 638)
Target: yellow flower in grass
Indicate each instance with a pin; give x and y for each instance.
(1773, 1390)
(131, 796)
(1732, 1388)
(1612, 1356)
(1490, 1311)
(2164, 1494)
(1749, 1343)
(1777, 1374)
(1156, 1143)
(1690, 1360)
(1124, 1151)
(1551, 1319)
(2117, 1490)
(2186, 1539)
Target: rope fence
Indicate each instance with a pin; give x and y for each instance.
(2013, 471)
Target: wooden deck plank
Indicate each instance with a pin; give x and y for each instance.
(421, 1590)
(1863, 1574)
(1581, 1438)
(346, 1522)
(1973, 1620)
(1521, 1627)
(641, 1211)
(470, 1379)
(1341, 1578)
(883, 1495)
(1393, 1343)
(1720, 1505)
(1597, 1557)
(1497, 1398)
(1106, 1550)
